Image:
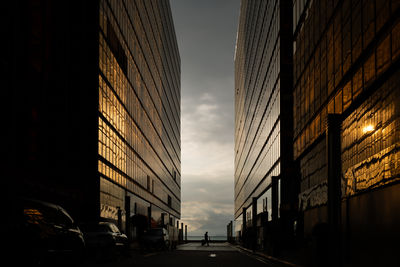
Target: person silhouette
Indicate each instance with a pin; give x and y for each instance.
(206, 238)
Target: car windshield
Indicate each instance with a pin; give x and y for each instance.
(37, 213)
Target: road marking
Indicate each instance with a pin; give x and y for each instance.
(262, 260)
(212, 255)
(150, 254)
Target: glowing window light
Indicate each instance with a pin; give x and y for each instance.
(368, 129)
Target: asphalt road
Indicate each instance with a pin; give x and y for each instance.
(189, 258)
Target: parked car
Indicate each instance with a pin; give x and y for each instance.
(155, 238)
(45, 233)
(103, 236)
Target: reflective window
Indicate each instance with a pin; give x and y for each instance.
(257, 102)
(139, 108)
(350, 50)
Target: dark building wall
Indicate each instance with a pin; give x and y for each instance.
(52, 99)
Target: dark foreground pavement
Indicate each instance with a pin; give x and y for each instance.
(190, 256)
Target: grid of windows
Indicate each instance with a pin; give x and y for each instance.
(139, 113)
(342, 49)
(318, 71)
(370, 140)
(257, 102)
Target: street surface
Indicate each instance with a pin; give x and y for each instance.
(190, 255)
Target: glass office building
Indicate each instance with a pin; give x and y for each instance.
(97, 124)
(139, 109)
(346, 62)
(263, 123)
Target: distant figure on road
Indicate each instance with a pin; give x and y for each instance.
(206, 238)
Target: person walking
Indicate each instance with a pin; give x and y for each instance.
(206, 238)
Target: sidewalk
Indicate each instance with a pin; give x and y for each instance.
(268, 257)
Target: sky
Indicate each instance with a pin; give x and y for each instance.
(206, 35)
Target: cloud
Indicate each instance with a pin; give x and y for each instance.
(207, 143)
(197, 188)
(208, 158)
(202, 190)
(207, 164)
(208, 204)
(206, 47)
(205, 119)
(205, 216)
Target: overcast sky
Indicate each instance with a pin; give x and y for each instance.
(206, 33)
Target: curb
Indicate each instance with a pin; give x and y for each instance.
(268, 257)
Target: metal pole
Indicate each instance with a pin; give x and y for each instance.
(334, 160)
(244, 233)
(185, 233)
(128, 217)
(181, 232)
(149, 214)
(254, 235)
(275, 198)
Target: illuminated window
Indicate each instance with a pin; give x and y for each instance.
(338, 103)
(347, 95)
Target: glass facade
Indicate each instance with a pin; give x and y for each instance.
(370, 141)
(258, 104)
(139, 110)
(345, 90)
(346, 57)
